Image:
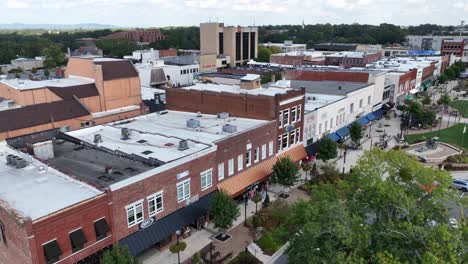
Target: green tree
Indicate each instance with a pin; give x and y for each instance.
(326, 149)
(443, 78)
(426, 100)
(224, 211)
(177, 248)
(306, 167)
(330, 174)
(256, 199)
(264, 53)
(53, 57)
(46, 73)
(118, 254)
(444, 100)
(450, 73)
(378, 219)
(285, 172)
(116, 47)
(355, 132)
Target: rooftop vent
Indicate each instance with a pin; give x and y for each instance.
(199, 114)
(223, 115)
(340, 88)
(125, 133)
(20, 163)
(97, 138)
(9, 159)
(163, 112)
(228, 128)
(193, 123)
(183, 145)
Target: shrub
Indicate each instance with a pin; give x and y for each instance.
(268, 244)
(245, 258)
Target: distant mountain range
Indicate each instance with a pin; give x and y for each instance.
(20, 26)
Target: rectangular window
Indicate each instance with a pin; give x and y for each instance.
(351, 108)
(155, 203)
(280, 143)
(220, 171)
(231, 167)
(368, 100)
(256, 155)
(285, 141)
(101, 227)
(77, 239)
(183, 190)
(293, 114)
(286, 117)
(206, 179)
(264, 151)
(52, 251)
(248, 159)
(298, 135)
(134, 213)
(280, 119)
(292, 138)
(360, 103)
(240, 162)
(270, 148)
(299, 112)
(320, 128)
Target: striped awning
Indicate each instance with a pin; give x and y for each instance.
(259, 172)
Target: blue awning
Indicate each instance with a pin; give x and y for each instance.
(166, 226)
(363, 121)
(312, 149)
(371, 117)
(342, 132)
(334, 137)
(379, 113)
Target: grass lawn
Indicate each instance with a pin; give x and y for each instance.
(461, 106)
(451, 135)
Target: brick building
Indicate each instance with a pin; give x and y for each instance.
(139, 35)
(348, 59)
(451, 47)
(95, 91)
(298, 58)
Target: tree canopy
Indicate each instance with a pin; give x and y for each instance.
(414, 114)
(326, 149)
(116, 47)
(391, 210)
(264, 53)
(355, 132)
(224, 210)
(119, 255)
(53, 57)
(285, 172)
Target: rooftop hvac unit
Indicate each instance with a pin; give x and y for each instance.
(228, 128)
(223, 115)
(97, 138)
(9, 159)
(193, 123)
(183, 145)
(125, 133)
(199, 114)
(21, 163)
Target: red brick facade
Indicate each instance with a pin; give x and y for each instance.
(151, 35)
(348, 62)
(15, 249)
(407, 81)
(452, 48)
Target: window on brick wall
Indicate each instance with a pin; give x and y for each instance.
(52, 251)
(231, 167)
(2, 233)
(155, 203)
(293, 114)
(264, 153)
(240, 162)
(248, 159)
(183, 190)
(285, 142)
(286, 117)
(134, 213)
(270, 148)
(206, 179)
(220, 171)
(299, 112)
(256, 155)
(280, 119)
(77, 239)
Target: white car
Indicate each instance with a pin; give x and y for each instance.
(453, 222)
(460, 184)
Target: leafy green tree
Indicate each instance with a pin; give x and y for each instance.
(256, 199)
(444, 100)
(53, 57)
(326, 149)
(285, 172)
(450, 73)
(443, 78)
(118, 254)
(306, 167)
(393, 210)
(116, 47)
(426, 100)
(46, 73)
(330, 174)
(224, 211)
(177, 248)
(355, 132)
(264, 53)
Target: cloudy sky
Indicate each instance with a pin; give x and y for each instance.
(243, 12)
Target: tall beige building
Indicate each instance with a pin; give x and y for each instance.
(239, 43)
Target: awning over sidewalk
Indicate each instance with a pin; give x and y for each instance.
(413, 91)
(426, 84)
(238, 184)
(371, 117)
(334, 137)
(363, 121)
(343, 132)
(166, 226)
(379, 113)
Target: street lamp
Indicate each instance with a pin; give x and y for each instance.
(246, 200)
(178, 233)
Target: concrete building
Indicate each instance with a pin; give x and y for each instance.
(419, 42)
(395, 51)
(162, 74)
(239, 43)
(25, 64)
(348, 59)
(457, 49)
(95, 91)
(287, 46)
(151, 55)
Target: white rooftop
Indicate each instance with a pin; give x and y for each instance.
(28, 84)
(250, 77)
(314, 101)
(285, 44)
(147, 93)
(403, 64)
(301, 53)
(106, 59)
(33, 193)
(235, 89)
(349, 54)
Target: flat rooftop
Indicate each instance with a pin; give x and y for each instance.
(350, 54)
(315, 101)
(38, 190)
(323, 87)
(402, 64)
(20, 84)
(301, 53)
(235, 89)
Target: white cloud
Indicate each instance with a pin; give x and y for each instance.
(15, 4)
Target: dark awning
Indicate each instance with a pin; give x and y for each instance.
(78, 238)
(101, 227)
(343, 132)
(166, 226)
(426, 84)
(387, 106)
(363, 121)
(371, 117)
(52, 250)
(312, 149)
(379, 113)
(334, 137)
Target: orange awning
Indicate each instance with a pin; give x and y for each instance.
(238, 184)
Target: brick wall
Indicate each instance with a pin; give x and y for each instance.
(16, 250)
(341, 76)
(59, 225)
(408, 81)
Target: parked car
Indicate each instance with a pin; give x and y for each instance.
(460, 184)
